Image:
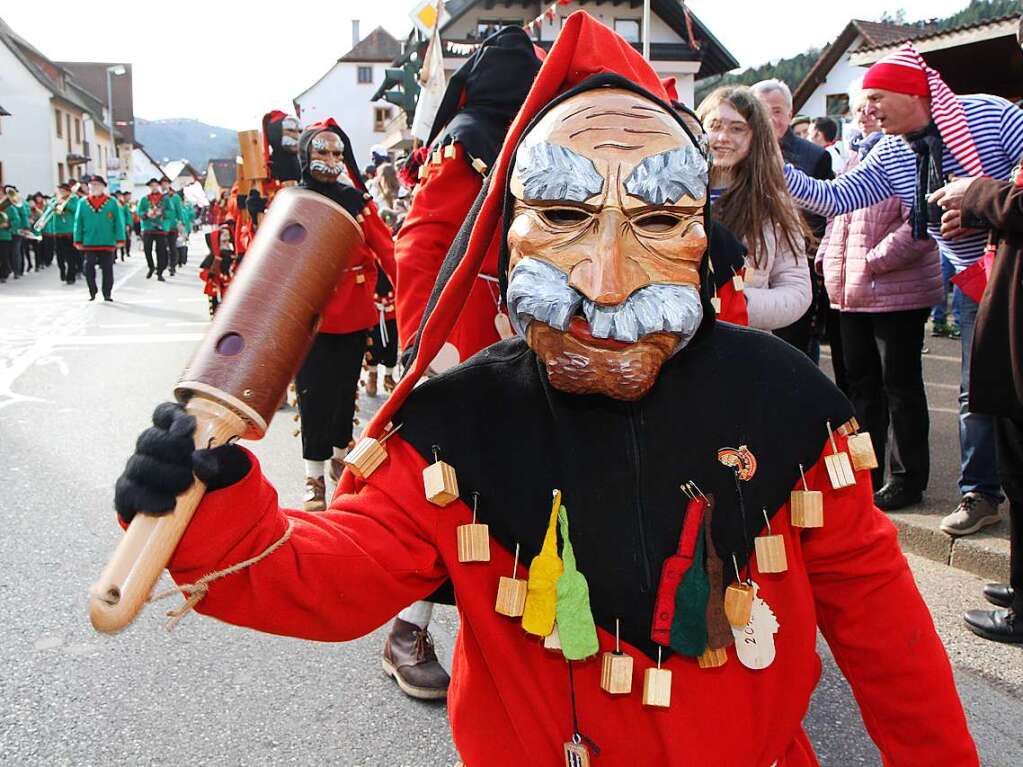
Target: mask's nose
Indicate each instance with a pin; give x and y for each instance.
(607, 276)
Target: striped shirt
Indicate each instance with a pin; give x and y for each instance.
(890, 169)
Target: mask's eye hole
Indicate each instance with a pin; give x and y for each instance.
(657, 222)
(564, 216)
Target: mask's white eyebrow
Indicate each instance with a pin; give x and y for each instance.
(662, 179)
(551, 173)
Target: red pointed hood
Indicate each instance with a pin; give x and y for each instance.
(584, 48)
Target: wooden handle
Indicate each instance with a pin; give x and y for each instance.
(144, 551)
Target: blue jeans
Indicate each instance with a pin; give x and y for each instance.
(978, 455)
(941, 310)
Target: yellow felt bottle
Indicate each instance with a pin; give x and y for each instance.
(544, 571)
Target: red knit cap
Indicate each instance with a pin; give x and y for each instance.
(894, 73)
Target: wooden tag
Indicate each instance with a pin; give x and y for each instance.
(861, 451)
(716, 303)
(552, 641)
(503, 326)
(806, 508)
(474, 544)
(367, 455)
(423, 171)
(576, 755)
(511, 596)
(449, 151)
(840, 470)
(738, 283)
(360, 278)
(657, 687)
(738, 604)
(436, 158)
(713, 658)
(440, 482)
(771, 557)
(616, 673)
(480, 166)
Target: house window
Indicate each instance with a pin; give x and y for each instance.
(1, 174)
(60, 124)
(78, 131)
(628, 29)
(67, 124)
(381, 116)
(365, 75)
(837, 104)
(486, 27)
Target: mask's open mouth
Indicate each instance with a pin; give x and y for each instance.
(579, 328)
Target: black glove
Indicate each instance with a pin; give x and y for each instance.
(255, 204)
(164, 461)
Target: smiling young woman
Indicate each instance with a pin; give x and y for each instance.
(749, 196)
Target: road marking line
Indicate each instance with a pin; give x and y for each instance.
(126, 338)
(185, 324)
(126, 325)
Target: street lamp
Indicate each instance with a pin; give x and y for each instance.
(115, 69)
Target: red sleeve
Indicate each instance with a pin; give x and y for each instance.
(342, 573)
(881, 632)
(439, 208)
(379, 240)
(733, 305)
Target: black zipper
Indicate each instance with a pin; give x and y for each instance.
(635, 419)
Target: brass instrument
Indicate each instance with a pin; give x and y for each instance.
(53, 208)
(5, 203)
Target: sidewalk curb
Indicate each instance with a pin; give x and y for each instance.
(984, 554)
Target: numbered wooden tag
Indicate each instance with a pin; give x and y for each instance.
(474, 539)
(861, 451)
(576, 755)
(840, 470)
(511, 592)
(616, 669)
(770, 548)
(738, 603)
(449, 151)
(367, 455)
(503, 325)
(806, 506)
(754, 642)
(439, 481)
(657, 685)
(713, 658)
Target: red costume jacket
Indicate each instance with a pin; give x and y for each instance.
(439, 208)
(352, 307)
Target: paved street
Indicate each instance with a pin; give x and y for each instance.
(78, 381)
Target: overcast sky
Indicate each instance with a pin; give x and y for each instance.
(227, 63)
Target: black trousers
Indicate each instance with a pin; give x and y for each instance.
(67, 258)
(1009, 434)
(172, 251)
(6, 267)
(17, 256)
(886, 385)
(149, 239)
(381, 353)
(105, 259)
(327, 384)
(46, 250)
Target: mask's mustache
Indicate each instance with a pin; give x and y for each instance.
(539, 291)
(319, 166)
(288, 141)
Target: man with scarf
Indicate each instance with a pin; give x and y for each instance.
(619, 387)
(327, 382)
(932, 135)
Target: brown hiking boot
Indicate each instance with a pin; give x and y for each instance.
(389, 383)
(410, 658)
(315, 494)
(371, 383)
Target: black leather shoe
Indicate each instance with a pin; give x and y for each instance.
(996, 625)
(999, 594)
(896, 495)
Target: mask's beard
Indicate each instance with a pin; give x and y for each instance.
(539, 291)
(325, 169)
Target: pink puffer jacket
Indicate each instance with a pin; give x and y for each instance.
(871, 262)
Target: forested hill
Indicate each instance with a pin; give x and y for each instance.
(793, 69)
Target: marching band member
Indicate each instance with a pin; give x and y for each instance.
(99, 231)
(151, 215)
